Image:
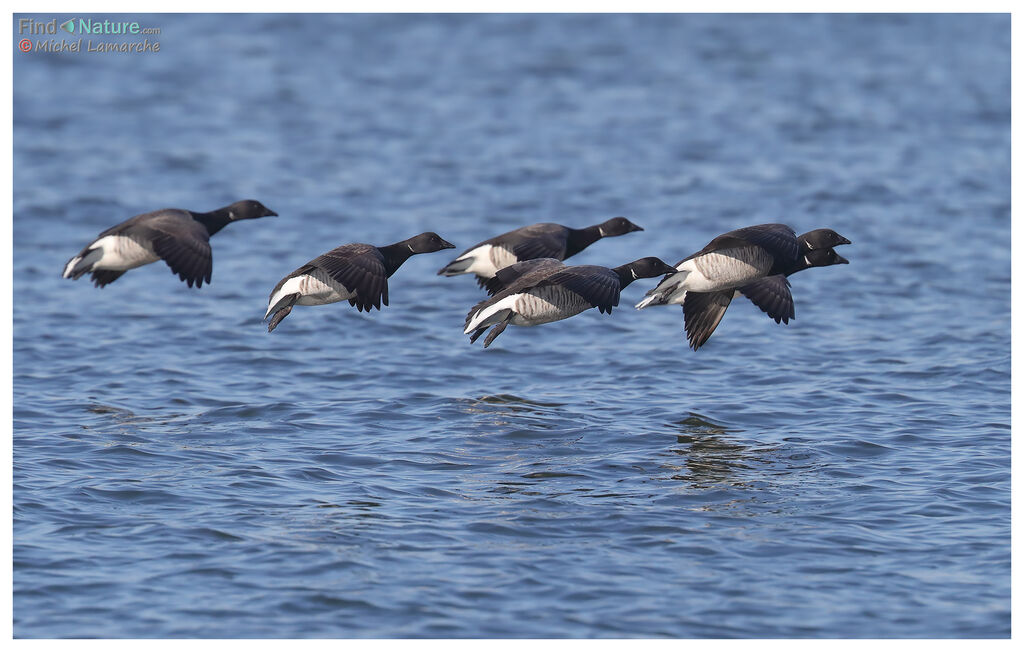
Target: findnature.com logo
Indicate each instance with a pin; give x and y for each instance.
(89, 26)
(83, 27)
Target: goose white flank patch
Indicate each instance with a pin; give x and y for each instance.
(545, 290)
(180, 237)
(356, 272)
(544, 240)
(753, 261)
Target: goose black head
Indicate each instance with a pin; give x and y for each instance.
(248, 209)
(650, 267)
(824, 258)
(617, 226)
(643, 268)
(428, 242)
(820, 239)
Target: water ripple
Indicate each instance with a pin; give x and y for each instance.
(178, 472)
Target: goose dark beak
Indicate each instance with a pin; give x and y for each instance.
(447, 245)
(841, 261)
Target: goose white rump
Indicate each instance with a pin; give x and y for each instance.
(113, 252)
(538, 306)
(316, 288)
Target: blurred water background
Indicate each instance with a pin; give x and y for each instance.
(178, 472)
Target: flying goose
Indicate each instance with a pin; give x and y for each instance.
(546, 291)
(356, 272)
(544, 240)
(180, 237)
(753, 261)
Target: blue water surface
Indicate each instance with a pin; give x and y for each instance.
(178, 472)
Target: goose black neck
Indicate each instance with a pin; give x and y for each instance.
(395, 255)
(802, 263)
(625, 274)
(799, 266)
(214, 220)
(580, 239)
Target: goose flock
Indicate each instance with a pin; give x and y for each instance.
(521, 270)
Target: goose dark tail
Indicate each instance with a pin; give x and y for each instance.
(496, 331)
(455, 267)
(81, 264)
(281, 310)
